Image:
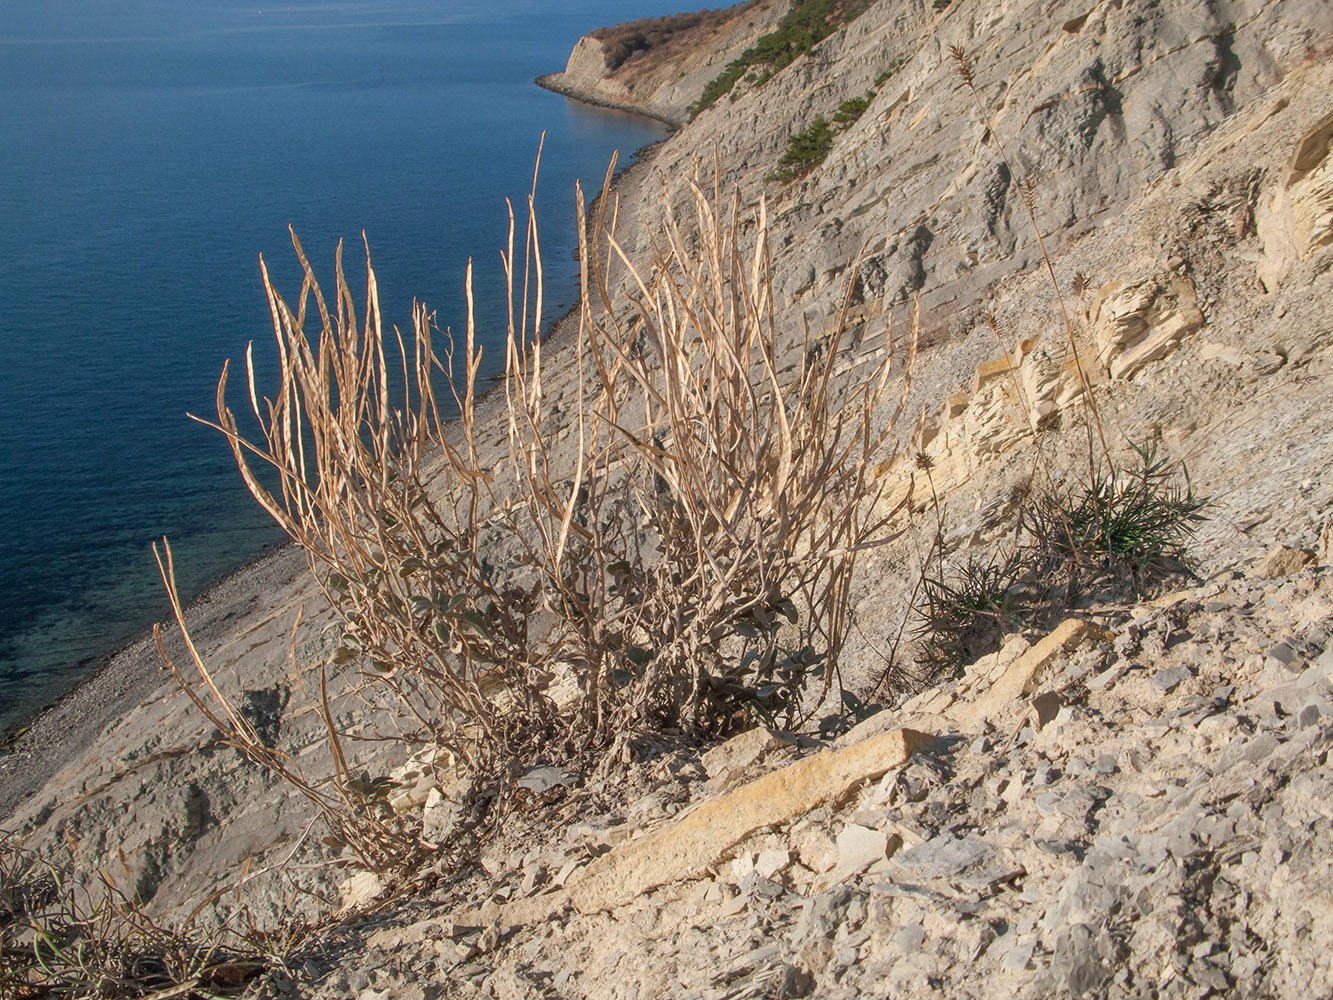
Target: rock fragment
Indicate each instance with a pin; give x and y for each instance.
(1283, 561)
(697, 839)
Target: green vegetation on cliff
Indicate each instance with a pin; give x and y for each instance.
(807, 24)
(807, 148)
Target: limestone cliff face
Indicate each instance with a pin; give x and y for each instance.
(664, 81)
(1093, 102)
(1174, 152)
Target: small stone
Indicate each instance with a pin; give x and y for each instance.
(858, 848)
(910, 938)
(755, 884)
(1259, 747)
(844, 959)
(360, 889)
(1245, 966)
(1099, 682)
(741, 751)
(1016, 959)
(1309, 715)
(1320, 672)
(1268, 362)
(540, 780)
(734, 905)
(1282, 561)
(489, 939)
(770, 863)
(1282, 655)
(742, 867)
(1046, 705)
(534, 876)
(1209, 976)
(1012, 791)
(945, 856)
(1168, 679)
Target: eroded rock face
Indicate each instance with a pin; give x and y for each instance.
(1297, 218)
(666, 80)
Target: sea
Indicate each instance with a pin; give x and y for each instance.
(150, 151)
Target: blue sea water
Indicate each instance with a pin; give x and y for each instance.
(150, 150)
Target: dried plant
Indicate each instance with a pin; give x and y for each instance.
(693, 524)
(715, 498)
(62, 939)
(394, 544)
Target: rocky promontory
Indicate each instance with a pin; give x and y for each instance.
(658, 66)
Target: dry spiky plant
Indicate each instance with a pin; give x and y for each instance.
(701, 550)
(387, 504)
(693, 525)
(394, 542)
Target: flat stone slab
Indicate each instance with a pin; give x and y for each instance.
(688, 846)
(945, 857)
(1024, 675)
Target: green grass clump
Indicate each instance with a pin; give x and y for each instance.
(807, 24)
(1122, 528)
(852, 109)
(806, 150)
(964, 615)
(1119, 520)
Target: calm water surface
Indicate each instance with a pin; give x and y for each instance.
(149, 151)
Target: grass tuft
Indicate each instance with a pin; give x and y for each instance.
(1121, 521)
(1125, 529)
(61, 940)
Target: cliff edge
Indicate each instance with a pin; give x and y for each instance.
(659, 66)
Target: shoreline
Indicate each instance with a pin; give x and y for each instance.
(41, 742)
(39, 745)
(551, 82)
(13, 732)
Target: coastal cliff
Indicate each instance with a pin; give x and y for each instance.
(668, 61)
(1131, 203)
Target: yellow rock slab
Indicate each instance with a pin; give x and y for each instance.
(688, 846)
(1023, 675)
